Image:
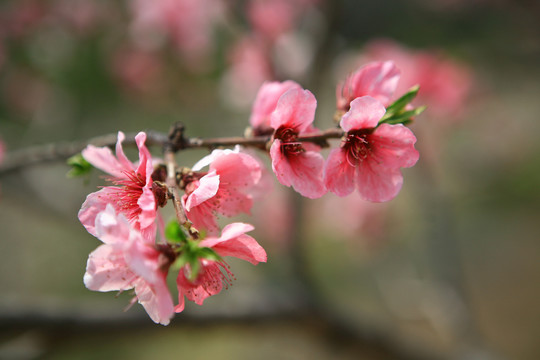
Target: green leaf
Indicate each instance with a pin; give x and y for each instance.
(404, 117)
(195, 266)
(174, 232)
(79, 166)
(400, 103)
(208, 253)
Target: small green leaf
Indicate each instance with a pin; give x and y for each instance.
(195, 266)
(208, 253)
(174, 233)
(404, 117)
(398, 105)
(79, 166)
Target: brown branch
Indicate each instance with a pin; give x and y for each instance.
(39, 154)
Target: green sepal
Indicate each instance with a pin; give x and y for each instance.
(404, 117)
(174, 233)
(398, 105)
(208, 254)
(79, 166)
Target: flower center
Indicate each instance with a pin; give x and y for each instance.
(357, 146)
(127, 195)
(289, 144)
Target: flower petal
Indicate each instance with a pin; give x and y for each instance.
(394, 145)
(122, 158)
(303, 171)
(365, 113)
(103, 159)
(106, 270)
(95, 203)
(378, 183)
(156, 300)
(295, 109)
(208, 187)
(338, 173)
(234, 242)
(266, 101)
(377, 79)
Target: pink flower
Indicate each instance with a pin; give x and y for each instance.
(228, 187)
(371, 155)
(378, 80)
(444, 83)
(2, 150)
(265, 103)
(214, 274)
(127, 260)
(188, 24)
(132, 196)
(249, 67)
(273, 18)
(296, 164)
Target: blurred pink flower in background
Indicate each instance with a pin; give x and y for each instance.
(362, 219)
(188, 24)
(273, 18)
(21, 17)
(213, 275)
(444, 83)
(376, 79)
(2, 151)
(138, 71)
(249, 67)
(127, 260)
(82, 15)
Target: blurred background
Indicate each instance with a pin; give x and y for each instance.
(447, 270)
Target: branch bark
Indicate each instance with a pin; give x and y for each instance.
(40, 154)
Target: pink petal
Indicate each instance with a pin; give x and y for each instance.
(142, 259)
(365, 113)
(304, 171)
(280, 164)
(378, 80)
(208, 187)
(147, 204)
(295, 109)
(122, 159)
(266, 101)
(156, 300)
(92, 206)
(111, 228)
(145, 167)
(103, 159)
(394, 145)
(208, 283)
(181, 302)
(106, 270)
(338, 173)
(234, 242)
(377, 183)
(202, 216)
(237, 169)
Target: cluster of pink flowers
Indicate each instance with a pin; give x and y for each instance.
(125, 215)
(371, 153)
(125, 218)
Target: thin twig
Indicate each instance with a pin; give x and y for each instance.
(35, 155)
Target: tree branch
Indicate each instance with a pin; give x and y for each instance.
(39, 154)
